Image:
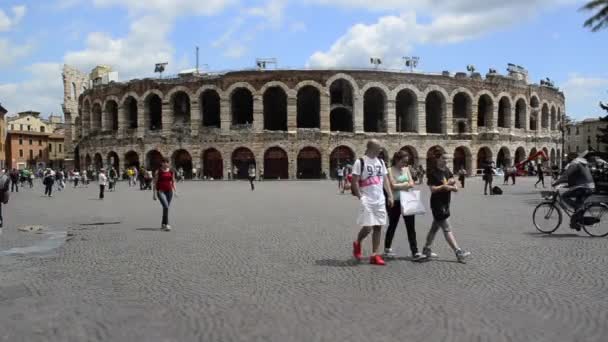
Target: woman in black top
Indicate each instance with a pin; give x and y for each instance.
(488, 177)
(541, 175)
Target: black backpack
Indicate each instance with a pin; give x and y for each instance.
(496, 190)
(5, 182)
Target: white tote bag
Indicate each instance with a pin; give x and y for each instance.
(411, 203)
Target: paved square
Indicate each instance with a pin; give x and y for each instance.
(275, 265)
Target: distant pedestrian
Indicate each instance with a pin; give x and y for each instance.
(340, 178)
(513, 174)
(251, 173)
(462, 175)
(48, 180)
(541, 175)
(488, 177)
(14, 178)
(76, 178)
(103, 181)
(164, 189)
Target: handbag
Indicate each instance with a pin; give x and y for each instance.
(411, 203)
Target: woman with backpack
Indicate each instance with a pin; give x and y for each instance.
(163, 188)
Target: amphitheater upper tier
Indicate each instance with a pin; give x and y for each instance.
(288, 111)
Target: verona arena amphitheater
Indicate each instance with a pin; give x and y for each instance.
(303, 123)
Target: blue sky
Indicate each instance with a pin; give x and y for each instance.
(545, 36)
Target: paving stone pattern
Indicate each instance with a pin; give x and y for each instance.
(275, 265)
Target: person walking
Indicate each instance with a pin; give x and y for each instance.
(14, 177)
(421, 173)
(85, 179)
(400, 178)
(370, 178)
(513, 174)
(507, 174)
(103, 181)
(541, 175)
(251, 174)
(441, 183)
(488, 177)
(462, 175)
(76, 178)
(163, 188)
(48, 180)
(340, 177)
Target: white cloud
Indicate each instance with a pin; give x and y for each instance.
(583, 94)
(11, 52)
(42, 92)
(170, 8)
(7, 23)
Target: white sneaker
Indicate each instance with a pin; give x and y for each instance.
(167, 227)
(163, 227)
(388, 253)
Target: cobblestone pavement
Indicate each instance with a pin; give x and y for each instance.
(274, 265)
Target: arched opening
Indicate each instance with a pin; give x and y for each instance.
(535, 104)
(309, 107)
(86, 118)
(374, 118)
(180, 102)
(276, 164)
(309, 163)
(113, 161)
(182, 159)
(341, 120)
(154, 112)
(242, 157)
(520, 155)
(73, 90)
(533, 122)
(413, 154)
(484, 157)
(504, 112)
(407, 111)
(213, 164)
(545, 117)
(435, 107)
(87, 162)
(552, 158)
(431, 156)
(210, 109)
(98, 160)
(153, 160)
(96, 123)
(77, 158)
(131, 159)
(112, 116)
(461, 111)
(503, 159)
(130, 108)
(339, 157)
(462, 158)
(520, 113)
(341, 93)
(275, 109)
(242, 107)
(485, 107)
(553, 119)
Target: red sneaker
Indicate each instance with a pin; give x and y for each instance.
(357, 250)
(376, 260)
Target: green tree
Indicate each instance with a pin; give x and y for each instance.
(600, 19)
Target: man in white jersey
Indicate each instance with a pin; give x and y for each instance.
(369, 181)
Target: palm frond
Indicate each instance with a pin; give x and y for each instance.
(593, 4)
(600, 19)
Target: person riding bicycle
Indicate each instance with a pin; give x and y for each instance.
(580, 185)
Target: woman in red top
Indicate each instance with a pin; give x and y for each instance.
(164, 188)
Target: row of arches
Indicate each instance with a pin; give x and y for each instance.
(178, 108)
(276, 162)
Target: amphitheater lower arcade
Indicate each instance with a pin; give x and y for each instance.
(302, 124)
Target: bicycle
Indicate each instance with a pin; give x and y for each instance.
(547, 216)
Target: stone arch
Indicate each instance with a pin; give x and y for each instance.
(241, 105)
(485, 108)
(520, 155)
(406, 110)
(272, 84)
(534, 101)
(113, 160)
(503, 158)
(431, 156)
(309, 163)
(183, 159)
(462, 109)
(210, 107)
(521, 109)
(275, 107)
(98, 162)
(96, 115)
(504, 111)
(179, 101)
(86, 117)
(235, 86)
(213, 164)
(411, 150)
(153, 111)
(544, 122)
(435, 108)
(308, 106)
(347, 78)
(242, 158)
(342, 97)
(463, 158)
(382, 86)
(111, 115)
(374, 110)
(87, 162)
(153, 159)
(340, 156)
(173, 91)
(132, 159)
(484, 156)
(553, 118)
(276, 163)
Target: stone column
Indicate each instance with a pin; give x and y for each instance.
(293, 165)
(325, 112)
(104, 121)
(391, 116)
(474, 118)
(167, 118)
(142, 123)
(225, 115)
(493, 122)
(258, 113)
(195, 118)
(122, 124)
(421, 118)
(447, 124)
(358, 113)
(292, 113)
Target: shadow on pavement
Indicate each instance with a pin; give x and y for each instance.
(338, 263)
(149, 229)
(556, 236)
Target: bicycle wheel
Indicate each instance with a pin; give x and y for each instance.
(547, 217)
(594, 219)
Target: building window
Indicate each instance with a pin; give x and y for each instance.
(31, 141)
(39, 142)
(21, 127)
(50, 148)
(40, 153)
(21, 153)
(577, 132)
(42, 129)
(12, 127)
(29, 127)
(60, 147)
(20, 141)
(31, 154)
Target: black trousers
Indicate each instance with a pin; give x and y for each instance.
(251, 179)
(488, 183)
(102, 189)
(541, 179)
(14, 186)
(48, 188)
(394, 215)
(461, 179)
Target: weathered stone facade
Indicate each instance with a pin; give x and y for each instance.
(74, 84)
(302, 123)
